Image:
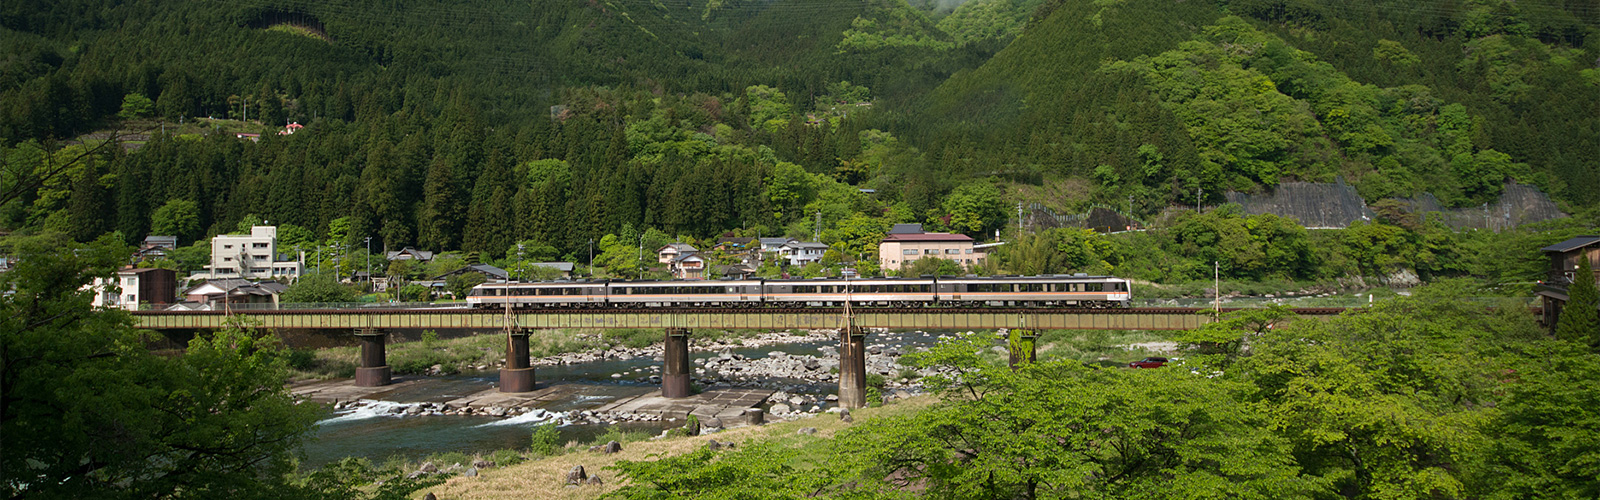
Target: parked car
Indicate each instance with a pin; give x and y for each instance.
(1150, 362)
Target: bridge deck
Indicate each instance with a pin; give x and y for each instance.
(1179, 318)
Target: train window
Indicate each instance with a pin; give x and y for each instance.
(1030, 287)
(1094, 287)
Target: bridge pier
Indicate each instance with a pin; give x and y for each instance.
(853, 368)
(517, 376)
(675, 375)
(374, 370)
(1020, 343)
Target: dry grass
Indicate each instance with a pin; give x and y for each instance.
(546, 478)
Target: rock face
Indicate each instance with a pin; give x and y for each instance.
(576, 475)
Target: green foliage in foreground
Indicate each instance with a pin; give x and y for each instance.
(1423, 397)
(87, 411)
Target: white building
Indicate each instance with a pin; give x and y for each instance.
(130, 289)
(253, 256)
(800, 253)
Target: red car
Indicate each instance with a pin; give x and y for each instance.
(1150, 362)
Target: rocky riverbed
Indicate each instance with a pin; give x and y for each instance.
(804, 383)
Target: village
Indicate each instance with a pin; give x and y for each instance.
(256, 270)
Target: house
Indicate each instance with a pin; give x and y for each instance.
(800, 253)
(409, 253)
(688, 267)
(217, 294)
(131, 288)
(1564, 259)
(906, 243)
(672, 251)
(564, 267)
(156, 247)
(736, 271)
(774, 244)
(291, 128)
(251, 255)
(490, 273)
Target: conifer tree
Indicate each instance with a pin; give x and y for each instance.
(1579, 321)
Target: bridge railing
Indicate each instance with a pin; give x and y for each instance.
(1347, 301)
(303, 306)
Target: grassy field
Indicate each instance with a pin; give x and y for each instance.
(545, 477)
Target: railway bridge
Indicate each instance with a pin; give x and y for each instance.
(371, 324)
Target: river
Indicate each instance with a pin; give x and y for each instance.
(375, 434)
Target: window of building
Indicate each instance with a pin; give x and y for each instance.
(132, 298)
(952, 251)
(931, 251)
(969, 250)
(227, 259)
(911, 251)
(257, 270)
(258, 245)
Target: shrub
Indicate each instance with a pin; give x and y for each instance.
(546, 441)
(503, 458)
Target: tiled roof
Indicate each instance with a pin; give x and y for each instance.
(1572, 244)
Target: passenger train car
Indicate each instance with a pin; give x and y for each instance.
(1028, 291)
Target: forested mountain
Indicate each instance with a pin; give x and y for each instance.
(1155, 98)
(478, 125)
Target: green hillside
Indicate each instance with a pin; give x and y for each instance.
(1155, 98)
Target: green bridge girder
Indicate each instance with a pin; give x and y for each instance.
(728, 319)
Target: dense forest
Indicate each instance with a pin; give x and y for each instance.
(476, 127)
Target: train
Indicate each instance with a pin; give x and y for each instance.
(1078, 290)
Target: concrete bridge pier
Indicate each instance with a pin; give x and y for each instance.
(517, 376)
(853, 368)
(374, 370)
(675, 375)
(1021, 345)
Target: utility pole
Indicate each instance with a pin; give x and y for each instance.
(591, 257)
(369, 260)
(1197, 198)
(1020, 221)
(1216, 290)
(818, 235)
